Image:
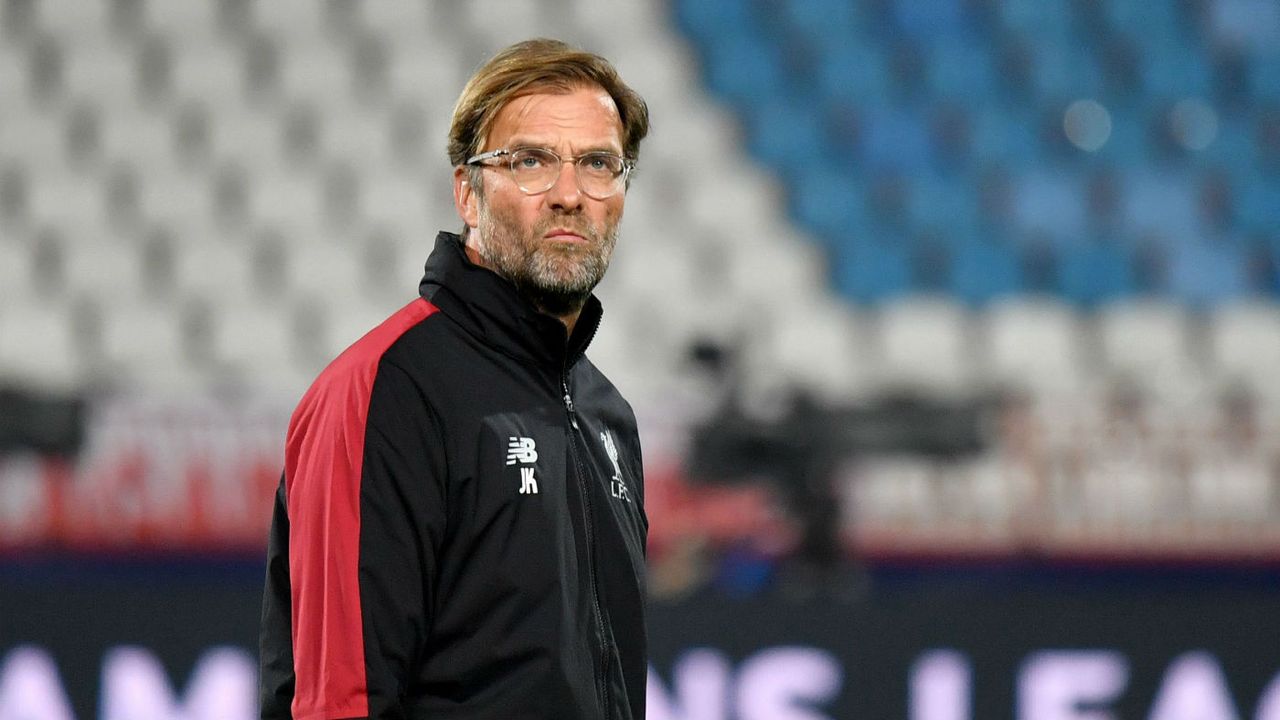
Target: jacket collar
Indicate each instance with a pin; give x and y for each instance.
(489, 307)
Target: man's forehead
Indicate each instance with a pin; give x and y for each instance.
(582, 108)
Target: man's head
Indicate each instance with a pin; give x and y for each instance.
(552, 236)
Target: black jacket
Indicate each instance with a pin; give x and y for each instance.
(460, 530)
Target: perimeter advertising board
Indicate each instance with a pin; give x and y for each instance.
(180, 646)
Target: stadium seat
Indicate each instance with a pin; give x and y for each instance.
(38, 345)
(143, 345)
(1033, 345)
(1096, 272)
(30, 140)
(1047, 21)
(745, 70)
(870, 269)
(959, 68)
(1244, 343)
(256, 346)
(207, 266)
(1159, 202)
(78, 21)
(15, 267)
(828, 202)
(787, 135)
(983, 271)
(1063, 72)
(101, 269)
(1150, 343)
(62, 199)
(1171, 72)
(852, 72)
(817, 346)
(211, 74)
(924, 346)
(705, 19)
(1052, 203)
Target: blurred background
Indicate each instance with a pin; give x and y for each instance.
(952, 327)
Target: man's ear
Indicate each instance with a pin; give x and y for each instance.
(465, 198)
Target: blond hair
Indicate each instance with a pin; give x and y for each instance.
(528, 67)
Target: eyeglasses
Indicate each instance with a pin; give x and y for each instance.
(600, 175)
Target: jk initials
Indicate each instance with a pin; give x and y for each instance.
(528, 483)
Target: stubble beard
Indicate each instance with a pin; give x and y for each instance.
(557, 277)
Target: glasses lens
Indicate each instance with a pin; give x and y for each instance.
(534, 169)
(600, 174)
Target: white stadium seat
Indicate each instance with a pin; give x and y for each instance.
(1033, 345)
(1150, 343)
(38, 345)
(1245, 343)
(924, 345)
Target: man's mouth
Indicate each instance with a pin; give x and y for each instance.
(565, 235)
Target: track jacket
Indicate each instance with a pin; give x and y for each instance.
(460, 531)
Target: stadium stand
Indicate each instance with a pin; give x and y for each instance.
(1073, 206)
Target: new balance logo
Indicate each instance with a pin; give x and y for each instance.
(522, 450)
(618, 486)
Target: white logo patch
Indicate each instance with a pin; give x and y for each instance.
(618, 486)
(522, 450)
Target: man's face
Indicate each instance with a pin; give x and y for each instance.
(554, 246)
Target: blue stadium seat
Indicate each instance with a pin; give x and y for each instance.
(1143, 18)
(982, 271)
(1096, 272)
(872, 270)
(1173, 71)
(1005, 135)
(943, 204)
(828, 201)
(960, 68)
(787, 134)
(852, 72)
(820, 20)
(1264, 77)
(1129, 141)
(1160, 202)
(1038, 20)
(837, 150)
(1259, 202)
(1206, 272)
(930, 19)
(896, 137)
(745, 69)
(1050, 202)
(1065, 72)
(706, 20)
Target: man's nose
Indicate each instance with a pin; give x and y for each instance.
(564, 193)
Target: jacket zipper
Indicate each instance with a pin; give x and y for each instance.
(601, 672)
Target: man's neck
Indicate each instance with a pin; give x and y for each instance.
(570, 320)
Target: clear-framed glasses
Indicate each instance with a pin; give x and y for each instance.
(600, 175)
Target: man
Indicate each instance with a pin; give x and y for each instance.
(460, 529)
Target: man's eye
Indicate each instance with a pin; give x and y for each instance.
(601, 163)
(529, 161)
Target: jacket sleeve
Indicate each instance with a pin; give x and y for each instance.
(362, 511)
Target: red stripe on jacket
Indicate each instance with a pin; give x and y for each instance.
(324, 459)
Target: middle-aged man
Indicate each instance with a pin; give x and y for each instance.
(460, 529)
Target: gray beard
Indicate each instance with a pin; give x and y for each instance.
(556, 278)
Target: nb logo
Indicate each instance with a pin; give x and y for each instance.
(522, 450)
